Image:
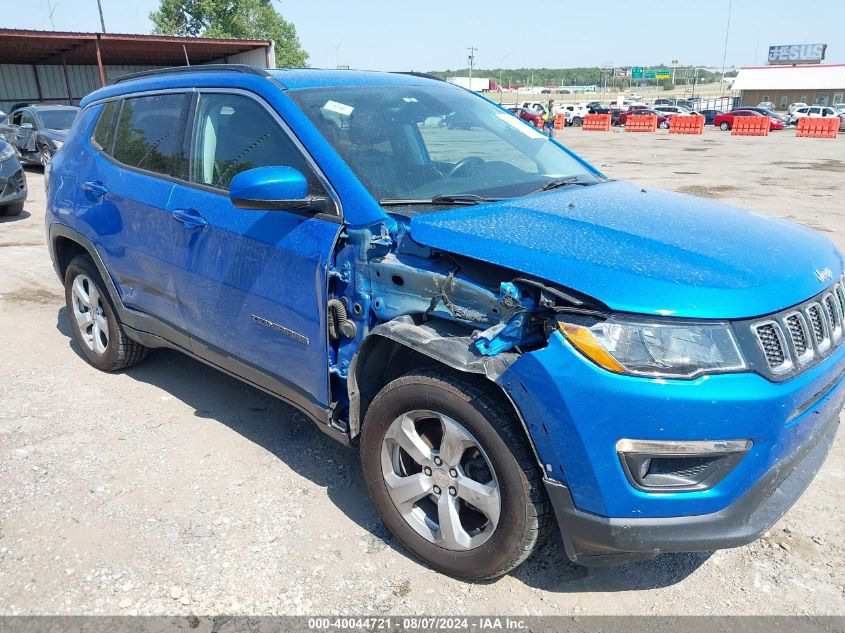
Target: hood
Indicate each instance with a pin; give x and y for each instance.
(643, 251)
(55, 135)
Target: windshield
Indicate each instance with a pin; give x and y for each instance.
(418, 143)
(58, 119)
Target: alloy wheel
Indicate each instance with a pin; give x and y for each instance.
(45, 155)
(89, 314)
(440, 480)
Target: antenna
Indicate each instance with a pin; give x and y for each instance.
(52, 9)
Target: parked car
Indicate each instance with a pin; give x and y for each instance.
(671, 380)
(613, 111)
(669, 110)
(814, 112)
(768, 105)
(529, 116)
(784, 118)
(38, 131)
(12, 181)
(839, 107)
(794, 106)
(662, 117)
(573, 113)
(536, 106)
(710, 115)
(726, 121)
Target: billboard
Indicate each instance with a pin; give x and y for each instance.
(797, 54)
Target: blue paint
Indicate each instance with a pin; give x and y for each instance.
(643, 251)
(185, 255)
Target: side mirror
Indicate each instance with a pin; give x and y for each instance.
(274, 188)
(26, 126)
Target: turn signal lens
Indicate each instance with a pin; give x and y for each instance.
(583, 339)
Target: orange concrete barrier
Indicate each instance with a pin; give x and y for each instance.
(641, 123)
(751, 126)
(560, 121)
(818, 128)
(596, 123)
(693, 124)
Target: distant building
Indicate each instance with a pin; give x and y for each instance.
(822, 84)
(63, 67)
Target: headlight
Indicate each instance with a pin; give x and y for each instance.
(6, 152)
(657, 349)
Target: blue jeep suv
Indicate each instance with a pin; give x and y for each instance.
(510, 337)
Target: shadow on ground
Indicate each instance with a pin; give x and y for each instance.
(23, 215)
(294, 439)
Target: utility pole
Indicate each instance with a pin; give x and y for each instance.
(102, 21)
(725, 53)
(471, 50)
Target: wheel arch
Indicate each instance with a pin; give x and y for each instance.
(394, 347)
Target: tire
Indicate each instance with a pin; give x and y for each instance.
(664, 125)
(724, 126)
(101, 338)
(494, 454)
(577, 121)
(11, 209)
(45, 155)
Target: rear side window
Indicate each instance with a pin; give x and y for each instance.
(235, 133)
(151, 134)
(104, 130)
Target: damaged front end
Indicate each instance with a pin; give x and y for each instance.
(396, 304)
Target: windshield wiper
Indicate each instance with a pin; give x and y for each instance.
(456, 199)
(557, 183)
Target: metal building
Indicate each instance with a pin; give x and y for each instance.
(63, 67)
(822, 84)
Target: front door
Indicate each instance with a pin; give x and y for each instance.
(253, 283)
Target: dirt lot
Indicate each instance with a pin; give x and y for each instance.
(171, 488)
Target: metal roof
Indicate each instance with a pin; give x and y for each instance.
(18, 46)
(809, 77)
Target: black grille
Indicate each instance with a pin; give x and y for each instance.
(798, 334)
(832, 312)
(767, 334)
(815, 314)
(18, 180)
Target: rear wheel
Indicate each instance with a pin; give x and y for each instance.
(452, 475)
(664, 125)
(724, 126)
(96, 327)
(577, 121)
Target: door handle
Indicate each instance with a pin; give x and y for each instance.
(190, 218)
(95, 188)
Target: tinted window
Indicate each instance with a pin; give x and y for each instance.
(235, 133)
(104, 130)
(58, 119)
(150, 134)
(28, 117)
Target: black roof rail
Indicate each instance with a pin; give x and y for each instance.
(175, 70)
(414, 73)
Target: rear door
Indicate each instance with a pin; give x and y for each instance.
(253, 283)
(128, 194)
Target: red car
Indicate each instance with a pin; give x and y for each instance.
(726, 121)
(529, 116)
(662, 119)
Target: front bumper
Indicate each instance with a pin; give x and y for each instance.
(576, 413)
(593, 540)
(13, 190)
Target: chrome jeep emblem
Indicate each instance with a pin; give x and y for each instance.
(825, 274)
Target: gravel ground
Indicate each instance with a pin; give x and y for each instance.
(171, 488)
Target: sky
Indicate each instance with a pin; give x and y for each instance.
(435, 35)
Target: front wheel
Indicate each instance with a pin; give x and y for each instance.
(664, 125)
(45, 155)
(724, 126)
(452, 474)
(577, 121)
